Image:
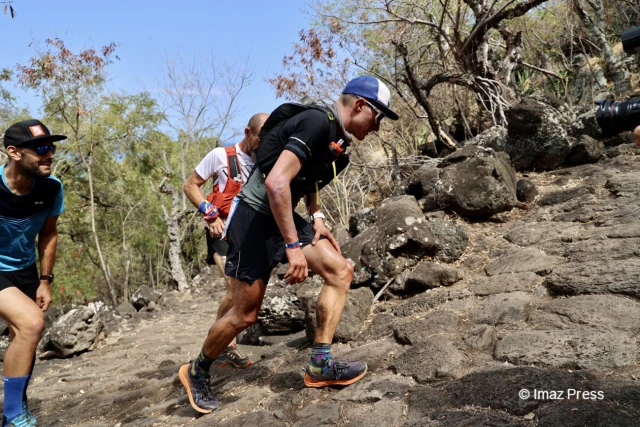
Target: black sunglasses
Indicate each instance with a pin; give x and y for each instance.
(41, 150)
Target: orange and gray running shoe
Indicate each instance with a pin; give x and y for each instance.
(231, 356)
(199, 391)
(336, 373)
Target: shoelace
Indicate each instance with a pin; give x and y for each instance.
(341, 367)
(235, 354)
(205, 391)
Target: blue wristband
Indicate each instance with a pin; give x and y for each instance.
(203, 207)
(293, 245)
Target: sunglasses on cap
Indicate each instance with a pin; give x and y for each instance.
(41, 150)
(379, 114)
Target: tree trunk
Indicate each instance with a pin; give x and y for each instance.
(173, 228)
(103, 263)
(175, 241)
(614, 64)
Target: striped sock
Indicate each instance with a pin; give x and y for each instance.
(200, 367)
(320, 356)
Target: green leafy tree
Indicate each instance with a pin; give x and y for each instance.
(107, 165)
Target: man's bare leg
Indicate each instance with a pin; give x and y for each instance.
(337, 272)
(232, 355)
(227, 301)
(247, 300)
(26, 323)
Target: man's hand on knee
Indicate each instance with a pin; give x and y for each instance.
(321, 230)
(298, 270)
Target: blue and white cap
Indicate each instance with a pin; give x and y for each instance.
(374, 91)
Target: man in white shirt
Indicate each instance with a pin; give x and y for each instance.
(229, 167)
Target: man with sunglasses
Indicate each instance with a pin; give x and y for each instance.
(30, 202)
(263, 230)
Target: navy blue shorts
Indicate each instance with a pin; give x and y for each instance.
(256, 245)
(27, 280)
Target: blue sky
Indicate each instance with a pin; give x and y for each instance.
(147, 31)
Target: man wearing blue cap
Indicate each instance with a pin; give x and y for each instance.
(30, 202)
(297, 154)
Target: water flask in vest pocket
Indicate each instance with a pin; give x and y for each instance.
(232, 210)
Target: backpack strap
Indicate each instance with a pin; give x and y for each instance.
(233, 163)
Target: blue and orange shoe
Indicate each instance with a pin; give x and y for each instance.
(199, 391)
(336, 373)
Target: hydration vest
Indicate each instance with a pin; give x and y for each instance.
(321, 170)
(234, 183)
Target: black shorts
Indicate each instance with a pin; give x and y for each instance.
(27, 280)
(256, 245)
(217, 246)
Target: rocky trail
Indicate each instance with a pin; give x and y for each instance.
(535, 322)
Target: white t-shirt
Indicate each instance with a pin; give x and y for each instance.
(215, 164)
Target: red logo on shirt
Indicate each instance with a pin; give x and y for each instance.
(36, 130)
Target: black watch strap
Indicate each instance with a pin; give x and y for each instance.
(48, 277)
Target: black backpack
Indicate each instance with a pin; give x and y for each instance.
(321, 170)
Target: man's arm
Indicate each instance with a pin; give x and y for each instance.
(279, 191)
(312, 203)
(278, 185)
(47, 242)
(636, 133)
(192, 189)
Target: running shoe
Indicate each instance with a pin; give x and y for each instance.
(232, 356)
(22, 420)
(200, 395)
(26, 410)
(337, 373)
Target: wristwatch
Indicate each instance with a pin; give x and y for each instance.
(315, 216)
(48, 277)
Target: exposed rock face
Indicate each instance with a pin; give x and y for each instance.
(477, 181)
(543, 299)
(362, 220)
(428, 275)
(586, 124)
(495, 137)
(523, 260)
(572, 349)
(433, 359)
(77, 331)
(451, 237)
(143, 296)
(282, 312)
(537, 138)
(585, 150)
(424, 180)
(393, 243)
(595, 277)
(356, 311)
